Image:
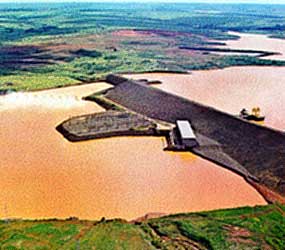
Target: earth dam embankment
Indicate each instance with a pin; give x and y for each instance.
(257, 149)
(45, 176)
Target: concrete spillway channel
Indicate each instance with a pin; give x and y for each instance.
(255, 152)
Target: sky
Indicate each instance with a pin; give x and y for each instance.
(170, 1)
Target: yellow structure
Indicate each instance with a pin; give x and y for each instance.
(256, 111)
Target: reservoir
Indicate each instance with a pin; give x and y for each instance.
(235, 88)
(43, 175)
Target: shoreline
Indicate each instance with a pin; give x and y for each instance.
(130, 221)
(141, 93)
(169, 160)
(215, 155)
(102, 80)
(187, 75)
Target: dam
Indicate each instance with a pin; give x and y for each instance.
(247, 149)
(119, 177)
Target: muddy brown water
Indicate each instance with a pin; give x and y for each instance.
(232, 89)
(258, 42)
(43, 175)
(235, 88)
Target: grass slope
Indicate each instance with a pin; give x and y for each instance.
(257, 228)
(48, 45)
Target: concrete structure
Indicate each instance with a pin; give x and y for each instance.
(186, 133)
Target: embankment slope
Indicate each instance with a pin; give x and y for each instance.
(259, 150)
(235, 229)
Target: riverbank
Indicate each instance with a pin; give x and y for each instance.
(242, 228)
(257, 42)
(249, 50)
(158, 181)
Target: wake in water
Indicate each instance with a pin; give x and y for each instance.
(52, 101)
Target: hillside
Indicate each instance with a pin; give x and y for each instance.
(242, 228)
(46, 46)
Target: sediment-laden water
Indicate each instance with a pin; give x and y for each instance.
(43, 175)
(235, 88)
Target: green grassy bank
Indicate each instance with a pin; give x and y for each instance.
(242, 228)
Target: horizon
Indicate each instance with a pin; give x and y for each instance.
(256, 2)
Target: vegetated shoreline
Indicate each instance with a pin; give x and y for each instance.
(186, 72)
(103, 79)
(263, 62)
(147, 216)
(208, 230)
(99, 80)
(260, 53)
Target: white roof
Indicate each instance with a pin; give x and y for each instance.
(185, 129)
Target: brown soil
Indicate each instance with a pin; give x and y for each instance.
(239, 235)
(268, 194)
(148, 216)
(129, 33)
